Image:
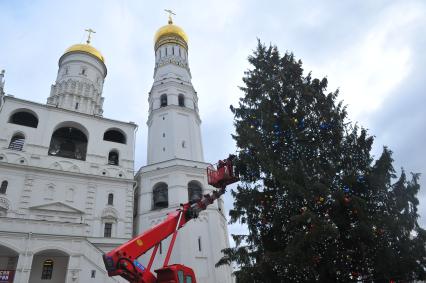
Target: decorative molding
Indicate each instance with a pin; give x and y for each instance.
(57, 207)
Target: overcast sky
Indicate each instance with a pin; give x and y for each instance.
(373, 51)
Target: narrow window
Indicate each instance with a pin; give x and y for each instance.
(108, 230)
(113, 158)
(173, 50)
(166, 50)
(93, 274)
(199, 244)
(83, 71)
(47, 270)
(161, 248)
(3, 187)
(76, 105)
(110, 199)
(188, 279)
(163, 100)
(164, 135)
(181, 100)
(179, 52)
(17, 142)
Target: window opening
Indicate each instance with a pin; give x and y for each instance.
(68, 142)
(181, 100)
(195, 192)
(188, 279)
(113, 158)
(110, 199)
(108, 230)
(3, 187)
(24, 119)
(199, 244)
(160, 196)
(17, 142)
(47, 270)
(163, 100)
(93, 274)
(180, 276)
(115, 136)
(76, 105)
(161, 247)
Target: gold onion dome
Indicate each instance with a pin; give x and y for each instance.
(170, 30)
(85, 48)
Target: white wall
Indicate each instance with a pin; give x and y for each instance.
(211, 226)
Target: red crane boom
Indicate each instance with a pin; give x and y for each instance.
(122, 260)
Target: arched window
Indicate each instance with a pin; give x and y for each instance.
(68, 142)
(110, 199)
(113, 157)
(163, 100)
(47, 270)
(115, 136)
(181, 100)
(24, 118)
(160, 196)
(195, 192)
(17, 142)
(3, 187)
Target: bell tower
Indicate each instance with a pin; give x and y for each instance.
(176, 172)
(173, 122)
(80, 79)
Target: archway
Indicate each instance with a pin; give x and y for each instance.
(8, 263)
(68, 142)
(49, 266)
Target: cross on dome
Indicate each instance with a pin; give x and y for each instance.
(89, 36)
(170, 15)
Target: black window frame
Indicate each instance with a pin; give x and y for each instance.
(163, 100)
(47, 269)
(3, 187)
(108, 230)
(110, 199)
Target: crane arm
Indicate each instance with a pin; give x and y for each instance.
(122, 260)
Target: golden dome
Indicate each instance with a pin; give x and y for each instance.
(170, 29)
(86, 48)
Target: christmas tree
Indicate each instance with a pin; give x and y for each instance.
(316, 204)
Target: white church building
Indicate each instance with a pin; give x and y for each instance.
(68, 188)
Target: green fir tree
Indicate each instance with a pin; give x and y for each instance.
(316, 206)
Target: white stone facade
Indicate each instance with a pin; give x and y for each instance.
(67, 182)
(67, 179)
(176, 168)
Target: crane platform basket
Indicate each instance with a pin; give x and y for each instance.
(223, 175)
